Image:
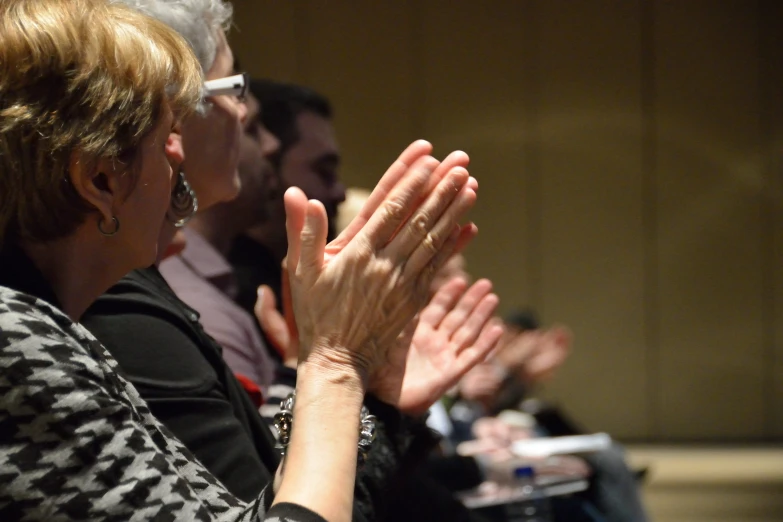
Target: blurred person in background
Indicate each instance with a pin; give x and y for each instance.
(527, 358)
(201, 275)
(308, 158)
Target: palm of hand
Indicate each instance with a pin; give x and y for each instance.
(432, 354)
(419, 369)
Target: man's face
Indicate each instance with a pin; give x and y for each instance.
(259, 182)
(312, 164)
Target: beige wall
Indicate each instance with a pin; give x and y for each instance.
(629, 157)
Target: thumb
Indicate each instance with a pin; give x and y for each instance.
(266, 299)
(295, 211)
(313, 237)
(288, 306)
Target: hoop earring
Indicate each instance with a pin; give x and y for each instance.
(116, 227)
(184, 202)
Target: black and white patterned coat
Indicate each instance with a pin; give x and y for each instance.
(78, 443)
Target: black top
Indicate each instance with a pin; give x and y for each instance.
(77, 441)
(179, 370)
(255, 265)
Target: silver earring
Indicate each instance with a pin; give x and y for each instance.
(184, 202)
(116, 223)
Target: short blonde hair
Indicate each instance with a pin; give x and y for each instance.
(80, 76)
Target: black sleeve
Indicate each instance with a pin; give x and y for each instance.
(454, 472)
(393, 485)
(512, 392)
(183, 390)
(423, 499)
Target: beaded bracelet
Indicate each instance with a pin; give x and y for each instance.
(284, 420)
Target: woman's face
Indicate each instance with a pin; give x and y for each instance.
(211, 141)
(143, 212)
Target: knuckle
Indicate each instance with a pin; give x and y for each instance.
(364, 250)
(420, 224)
(307, 236)
(378, 270)
(430, 244)
(433, 249)
(394, 210)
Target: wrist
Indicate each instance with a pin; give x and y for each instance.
(329, 381)
(324, 439)
(333, 364)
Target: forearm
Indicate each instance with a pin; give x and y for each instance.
(319, 470)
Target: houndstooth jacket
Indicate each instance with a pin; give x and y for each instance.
(78, 443)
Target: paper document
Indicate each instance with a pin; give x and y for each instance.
(546, 446)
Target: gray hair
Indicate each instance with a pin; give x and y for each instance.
(198, 21)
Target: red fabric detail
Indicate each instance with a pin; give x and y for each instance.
(252, 390)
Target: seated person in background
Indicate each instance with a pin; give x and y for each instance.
(157, 339)
(201, 276)
(528, 357)
(309, 158)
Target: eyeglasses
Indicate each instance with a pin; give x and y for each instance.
(230, 86)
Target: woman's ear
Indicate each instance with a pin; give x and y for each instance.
(101, 183)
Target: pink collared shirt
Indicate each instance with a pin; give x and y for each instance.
(204, 280)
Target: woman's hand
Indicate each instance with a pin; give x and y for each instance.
(453, 333)
(353, 299)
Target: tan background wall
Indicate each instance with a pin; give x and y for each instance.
(629, 157)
